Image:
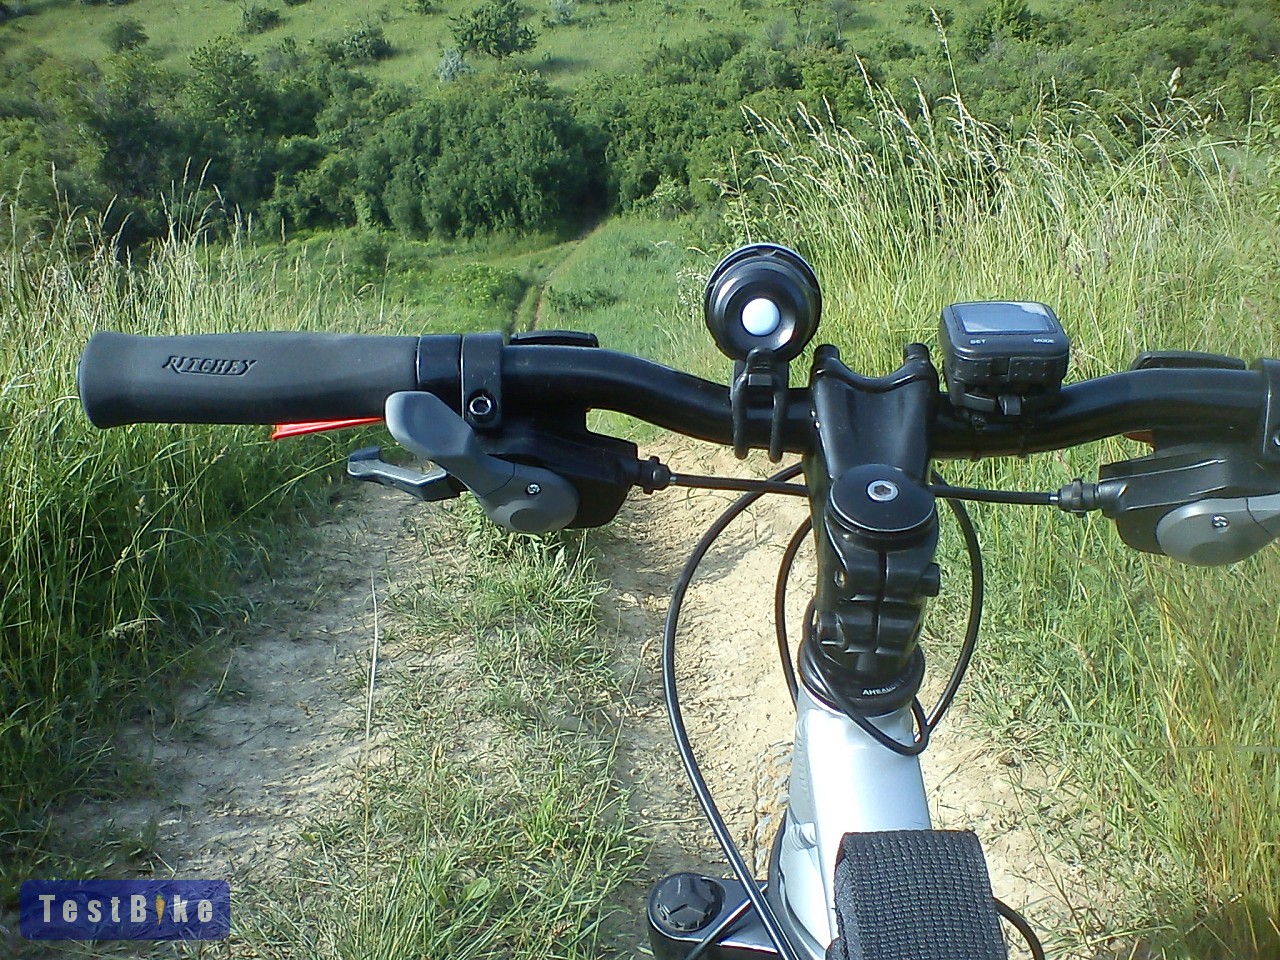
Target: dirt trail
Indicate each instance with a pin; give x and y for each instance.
(529, 312)
(243, 761)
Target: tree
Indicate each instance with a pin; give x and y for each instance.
(494, 28)
(478, 158)
(226, 90)
(842, 12)
(258, 19)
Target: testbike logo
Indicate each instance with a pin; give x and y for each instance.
(125, 910)
(210, 366)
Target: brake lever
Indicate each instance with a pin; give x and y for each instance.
(514, 495)
(434, 485)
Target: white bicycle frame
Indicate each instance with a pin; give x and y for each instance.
(842, 781)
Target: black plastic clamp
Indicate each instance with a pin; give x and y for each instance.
(481, 375)
(1269, 447)
(759, 381)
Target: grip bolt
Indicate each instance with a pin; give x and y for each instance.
(533, 489)
(481, 406)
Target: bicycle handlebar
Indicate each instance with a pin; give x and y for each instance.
(265, 378)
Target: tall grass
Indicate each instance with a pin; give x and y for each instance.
(1153, 684)
(119, 550)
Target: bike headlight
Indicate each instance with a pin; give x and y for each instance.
(763, 297)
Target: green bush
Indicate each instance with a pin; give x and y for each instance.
(126, 34)
(478, 158)
(561, 13)
(258, 19)
(917, 13)
(495, 28)
(365, 44)
(482, 283)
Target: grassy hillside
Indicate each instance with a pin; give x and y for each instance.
(305, 123)
(598, 37)
(122, 551)
(1155, 685)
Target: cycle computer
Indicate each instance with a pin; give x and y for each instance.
(1002, 358)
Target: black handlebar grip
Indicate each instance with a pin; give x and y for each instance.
(242, 377)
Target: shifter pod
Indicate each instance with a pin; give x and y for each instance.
(763, 297)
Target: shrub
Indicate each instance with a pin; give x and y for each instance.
(474, 160)
(127, 34)
(923, 14)
(364, 45)
(369, 253)
(483, 283)
(452, 66)
(258, 19)
(494, 28)
(561, 13)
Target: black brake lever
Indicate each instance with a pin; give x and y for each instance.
(367, 464)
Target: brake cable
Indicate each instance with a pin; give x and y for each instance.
(683, 746)
(780, 604)
(1019, 923)
(739, 484)
(977, 588)
(979, 495)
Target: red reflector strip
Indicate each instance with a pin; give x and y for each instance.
(283, 430)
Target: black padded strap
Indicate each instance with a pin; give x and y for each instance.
(914, 895)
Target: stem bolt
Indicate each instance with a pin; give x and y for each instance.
(1220, 522)
(533, 489)
(882, 491)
